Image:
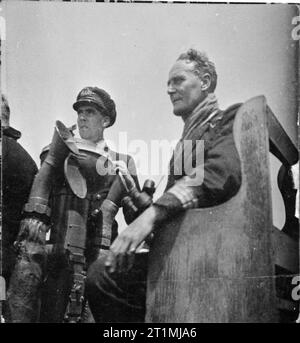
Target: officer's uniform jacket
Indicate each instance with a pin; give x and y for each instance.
(67, 209)
(219, 171)
(18, 171)
(76, 234)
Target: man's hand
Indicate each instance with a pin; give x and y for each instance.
(121, 255)
(32, 230)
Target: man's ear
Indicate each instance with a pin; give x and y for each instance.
(106, 121)
(206, 82)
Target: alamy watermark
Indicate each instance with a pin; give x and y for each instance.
(2, 26)
(153, 158)
(296, 24)
(296, 289)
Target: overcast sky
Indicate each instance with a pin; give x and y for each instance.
(52, 50)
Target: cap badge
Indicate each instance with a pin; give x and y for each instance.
(86, 92)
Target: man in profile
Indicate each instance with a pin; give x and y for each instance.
(116, 285)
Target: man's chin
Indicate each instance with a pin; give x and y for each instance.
(178, 112)
(83, 136)
(83, 133)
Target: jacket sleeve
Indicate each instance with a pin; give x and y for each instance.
(213, 182)
(128, 213)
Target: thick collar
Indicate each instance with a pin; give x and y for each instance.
(203, 113)
(100, 147)
(11, 132)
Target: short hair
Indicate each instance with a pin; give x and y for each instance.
(5, 110)
(202, 65)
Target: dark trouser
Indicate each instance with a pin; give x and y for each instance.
(117, 298)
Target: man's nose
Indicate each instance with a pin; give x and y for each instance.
(170, 89)
(81, 117)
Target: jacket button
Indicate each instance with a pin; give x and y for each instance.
(98, 196)
(95, 212)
